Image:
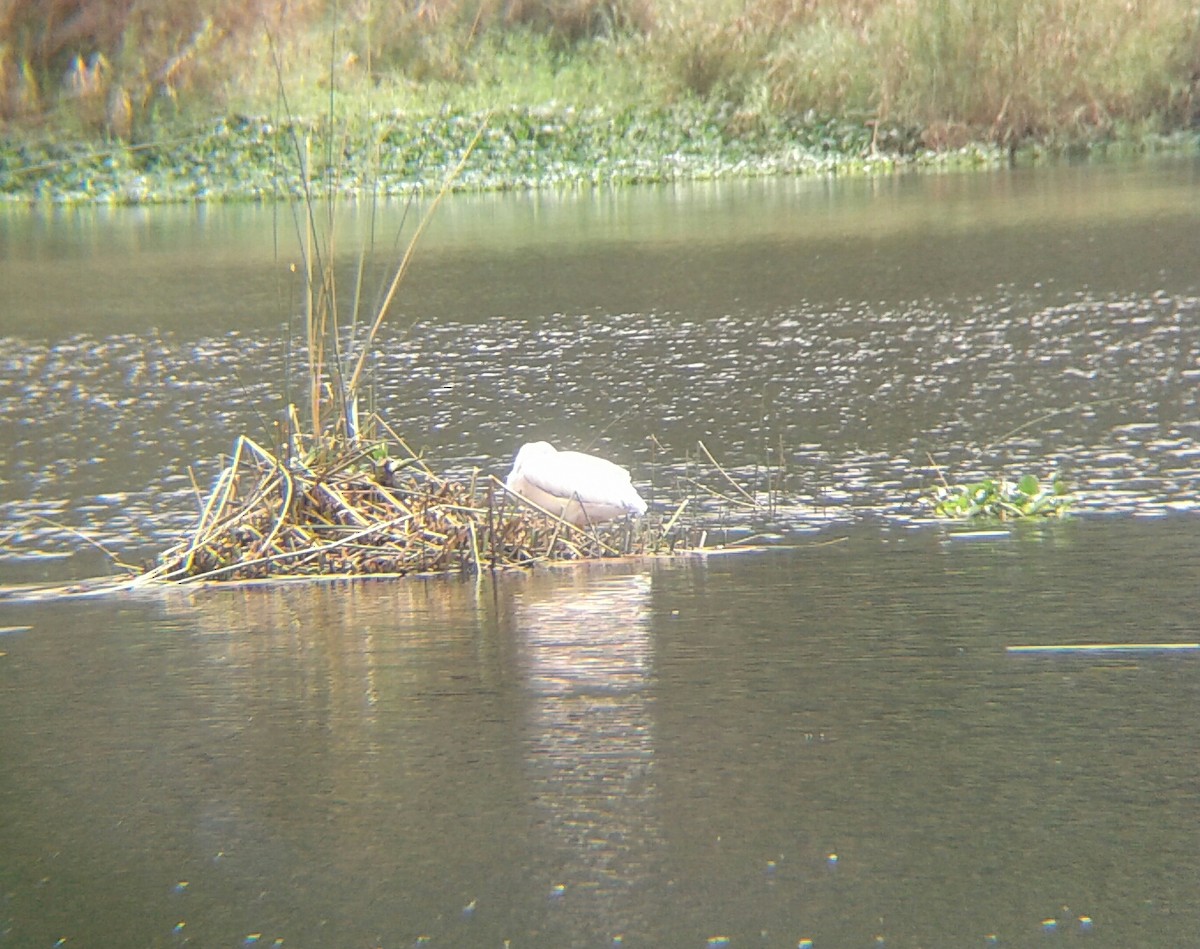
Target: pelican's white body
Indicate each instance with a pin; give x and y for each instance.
(582, 489)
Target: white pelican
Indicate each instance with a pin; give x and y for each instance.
(582, 489)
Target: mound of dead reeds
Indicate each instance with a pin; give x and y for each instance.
(363, 512)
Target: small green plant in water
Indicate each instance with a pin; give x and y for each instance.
(1000, 499)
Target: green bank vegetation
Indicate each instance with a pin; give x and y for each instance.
(711, 84)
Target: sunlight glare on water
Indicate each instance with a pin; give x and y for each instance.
(838, 337)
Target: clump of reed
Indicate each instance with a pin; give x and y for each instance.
(360, 510)
(341, 493)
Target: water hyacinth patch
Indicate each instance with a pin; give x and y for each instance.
(1001, 499)
(244, 157)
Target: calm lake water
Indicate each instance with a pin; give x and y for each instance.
(826, 741)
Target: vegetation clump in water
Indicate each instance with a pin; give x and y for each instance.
(1001, 499)
(341, 512)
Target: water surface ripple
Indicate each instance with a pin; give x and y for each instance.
(823, 358)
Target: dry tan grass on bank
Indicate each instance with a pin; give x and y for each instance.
(107, 63)
(1007, 71)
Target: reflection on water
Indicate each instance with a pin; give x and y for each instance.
(588, 661)
(665, 756)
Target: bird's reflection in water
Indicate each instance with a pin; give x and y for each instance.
(588, 662)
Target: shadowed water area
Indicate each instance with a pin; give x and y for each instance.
(825, 741)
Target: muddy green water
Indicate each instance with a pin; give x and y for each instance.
(827, 741)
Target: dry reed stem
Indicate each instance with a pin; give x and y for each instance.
(716, 464)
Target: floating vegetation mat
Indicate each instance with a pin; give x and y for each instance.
(1000, 499)
(363, 513)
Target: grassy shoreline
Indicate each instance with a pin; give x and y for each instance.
(522, 148)
(117, 102)
(254, 158)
